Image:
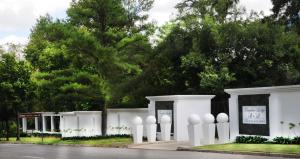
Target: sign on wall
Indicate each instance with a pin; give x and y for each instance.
(160, 113)
(254, 115)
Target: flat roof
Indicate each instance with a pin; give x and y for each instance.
(179, 97)
(264, 90)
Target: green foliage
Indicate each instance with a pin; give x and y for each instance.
(287, 11)
(283, 140)
(296, 140)
(97, 137)
(250, 139)
(70, 89)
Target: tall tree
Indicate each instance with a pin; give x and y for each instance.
(15, 88)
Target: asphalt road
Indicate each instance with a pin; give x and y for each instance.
(8, 151)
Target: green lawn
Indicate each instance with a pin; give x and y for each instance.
(110, 142)
(269, 148)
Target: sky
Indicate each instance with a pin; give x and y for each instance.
(17, 17)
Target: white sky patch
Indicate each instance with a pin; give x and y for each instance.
(18, 16)
(13, 39)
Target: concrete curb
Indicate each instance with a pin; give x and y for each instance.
(242, 153)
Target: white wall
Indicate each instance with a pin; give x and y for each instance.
(119, 120)
(82, 123)
(290, 104)
(182, 110)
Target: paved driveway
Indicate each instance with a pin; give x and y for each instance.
(8, 151)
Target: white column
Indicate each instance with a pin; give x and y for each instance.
(24, 124)
(223, 128)
(194, 129)
(52, 124)
(233, 116)
(36, 124)
(137, 130)
(209, 129)
(151, 128)
(165, 128)
(44, 123)
(275, 117)
(151, 107)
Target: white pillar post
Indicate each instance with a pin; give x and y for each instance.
(275, 117)
(233, 116)
(194, 129)
(36, 123)
(165, 128)
(209, 129)
(24, 125)
(52, 123)
(137, 130)
(151, 128)
(44, 123)
(223, 128)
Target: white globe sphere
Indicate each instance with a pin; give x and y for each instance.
(222, 118)
(194, 119)
(151, 119)
(165, 119)
(137, 120)
(209, 118)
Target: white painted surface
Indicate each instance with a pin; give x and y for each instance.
(194, 134)
(223, 132)
(119, 120)
(284, 109)
(184, 106)
(24, 125)
(137, 130)
(151, 128)
(81, 123)
(194, 129)
(165, 127)
(209, 133)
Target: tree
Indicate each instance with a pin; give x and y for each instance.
(15, 88)
(287, 11)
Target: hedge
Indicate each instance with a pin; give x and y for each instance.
(263, 140)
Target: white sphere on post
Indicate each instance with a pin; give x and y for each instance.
(151, 128)
(209, 128)
(137, 130)
(165, 128)
(223, 128)
(194, 129)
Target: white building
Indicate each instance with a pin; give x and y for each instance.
(265, 111)
(69, 124)
(179, 108)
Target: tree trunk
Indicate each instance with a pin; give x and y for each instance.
(18, 127)
(104, 120)
(7, 129)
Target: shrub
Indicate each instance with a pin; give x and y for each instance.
(296, 140)
(45, 135)
(282, 140)
(251, 139)
(95, 137)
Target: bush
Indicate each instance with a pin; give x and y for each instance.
(296, 140)
(251, 139)
(96, 137)
(282, 140)
(45, 135)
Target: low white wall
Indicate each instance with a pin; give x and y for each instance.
(81, 123)
(290, 104)
(119, 120)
